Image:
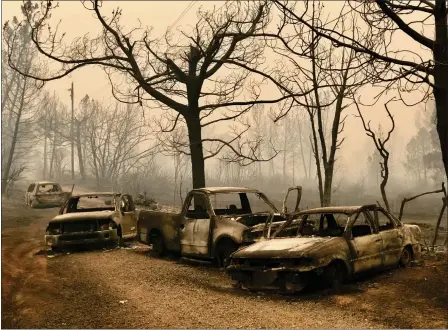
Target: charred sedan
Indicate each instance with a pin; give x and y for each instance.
(92, 218)
(330, 245)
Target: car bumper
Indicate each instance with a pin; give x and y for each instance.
(284, 279)
(61, 240)
(45, 204)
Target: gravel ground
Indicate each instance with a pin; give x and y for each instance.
(127, 288)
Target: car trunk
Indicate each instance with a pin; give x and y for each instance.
(50, 197)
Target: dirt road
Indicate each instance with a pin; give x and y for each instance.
(126, 288)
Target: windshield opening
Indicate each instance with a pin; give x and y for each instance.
(91, 204)
(323, 224)
(48, 188)
(240, 203)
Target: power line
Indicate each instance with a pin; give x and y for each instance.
(182, 15)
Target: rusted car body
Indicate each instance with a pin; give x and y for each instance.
(330, 244)
(45, 194)
(210, 225)
(104, 217)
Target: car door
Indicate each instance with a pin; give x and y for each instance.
(194, 225)
(128, 220)
(391, 235)
(32, 193)
(28, 192)
(365, 243)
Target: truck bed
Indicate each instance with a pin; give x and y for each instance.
(165, 223)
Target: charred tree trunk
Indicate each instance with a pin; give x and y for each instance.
(328, 182)
(302, 154)
(196, 151)
(315, 148)
(441, 78)
(53, 152)
(14, 137)
(385, 178)
(285, 140)
(44, 174)
(14, 77)
(79, 150)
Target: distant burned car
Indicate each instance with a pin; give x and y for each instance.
(330, 244)
(45, 194)
(92, 218)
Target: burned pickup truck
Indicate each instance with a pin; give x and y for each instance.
(213, 223)
(329, 245)
(92, 218)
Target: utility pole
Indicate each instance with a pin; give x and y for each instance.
(72, 94)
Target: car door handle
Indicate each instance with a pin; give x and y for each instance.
(378, 240)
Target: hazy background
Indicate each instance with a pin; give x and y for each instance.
(352, 157)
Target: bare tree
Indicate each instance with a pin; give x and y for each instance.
(380, 144)
(181, 78)
(20, 104)
(380, 23)
(333, 75)
(117, 140)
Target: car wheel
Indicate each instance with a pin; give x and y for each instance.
(335, 275)
(406, 257)
(158, 245)
(240, 285)
(56, 249)
(223, 252)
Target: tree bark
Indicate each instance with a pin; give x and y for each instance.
(79, 150)
(197, 154)
(328, 182)
(441, 78)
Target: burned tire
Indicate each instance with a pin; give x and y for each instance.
(158, 245)
(405, 257)
(120, 241)
(223, 252)
(335, 275)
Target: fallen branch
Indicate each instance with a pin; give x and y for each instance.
(405, 200)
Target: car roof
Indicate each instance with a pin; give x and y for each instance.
(46, 182)
(95, 194)
(338, 209)
(217, 190)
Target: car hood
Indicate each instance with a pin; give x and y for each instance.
(83, 216)
(284, 247)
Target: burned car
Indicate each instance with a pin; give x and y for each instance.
(92, 218)
(214, 222)
(329, 245)
(45, 194)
